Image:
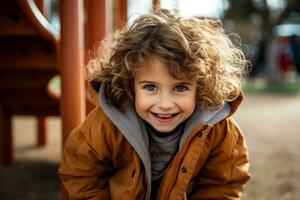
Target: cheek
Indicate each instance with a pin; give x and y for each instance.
(141, 102)
(188, 104)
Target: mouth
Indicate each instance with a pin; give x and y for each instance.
(164, 117)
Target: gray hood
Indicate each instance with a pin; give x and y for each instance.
(134, 130)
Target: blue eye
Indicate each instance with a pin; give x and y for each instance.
(150, 87)
(180, 88)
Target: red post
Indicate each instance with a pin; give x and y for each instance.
(155, 3)
(42, 131)
(44, 7)
(71, 65)
(98, 25)
(122, 13)
(99, 21)
(6, 137)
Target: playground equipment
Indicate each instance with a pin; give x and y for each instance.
(32, 53)
(28, 60)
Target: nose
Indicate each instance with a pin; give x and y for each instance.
(165, 102)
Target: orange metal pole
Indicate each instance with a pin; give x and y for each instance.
(122, 13)
(44, 7)
(98, 25)
(42, 131)
(155, 3)
(71, 65)
(99, 21)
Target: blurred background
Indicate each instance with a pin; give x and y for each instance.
(40, 55)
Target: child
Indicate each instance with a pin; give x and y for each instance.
(162, 129)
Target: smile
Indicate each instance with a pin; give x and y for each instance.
(164, 117)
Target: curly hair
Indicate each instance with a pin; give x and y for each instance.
(194, 47)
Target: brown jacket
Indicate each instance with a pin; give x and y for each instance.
(99, 163)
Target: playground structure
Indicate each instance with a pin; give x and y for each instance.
(28, 60)
(32, 53)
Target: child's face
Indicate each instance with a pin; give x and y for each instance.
(161, 100)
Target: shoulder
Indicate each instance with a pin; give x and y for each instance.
(97, 130)
(225, 132)
(97, 120)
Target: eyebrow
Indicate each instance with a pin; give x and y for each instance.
(184, 83)
(177, 83)
(151, 82)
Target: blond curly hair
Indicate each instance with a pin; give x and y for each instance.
(192, 48)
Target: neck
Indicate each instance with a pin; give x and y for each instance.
(164, 134)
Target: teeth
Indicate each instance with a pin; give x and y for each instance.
(165, 115)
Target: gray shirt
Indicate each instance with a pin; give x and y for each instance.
(162, 150)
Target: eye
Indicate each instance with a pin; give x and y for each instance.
(180, 88)
(150, 87)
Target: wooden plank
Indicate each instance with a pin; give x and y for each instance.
(14, 21)
(36, 111)
(45, 108)
(33, 96)
(25, 78)
(26, 52)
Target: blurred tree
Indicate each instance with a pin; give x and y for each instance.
(265, 14)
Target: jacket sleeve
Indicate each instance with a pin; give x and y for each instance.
(85, 165)
(226, 168)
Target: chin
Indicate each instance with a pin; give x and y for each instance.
(165, 130)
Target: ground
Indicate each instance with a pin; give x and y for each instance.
(272, 128)
(270, 124)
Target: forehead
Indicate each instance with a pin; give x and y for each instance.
(155, 66)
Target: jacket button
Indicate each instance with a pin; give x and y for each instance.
(205, 127)
(199, 134)
(184, 170)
